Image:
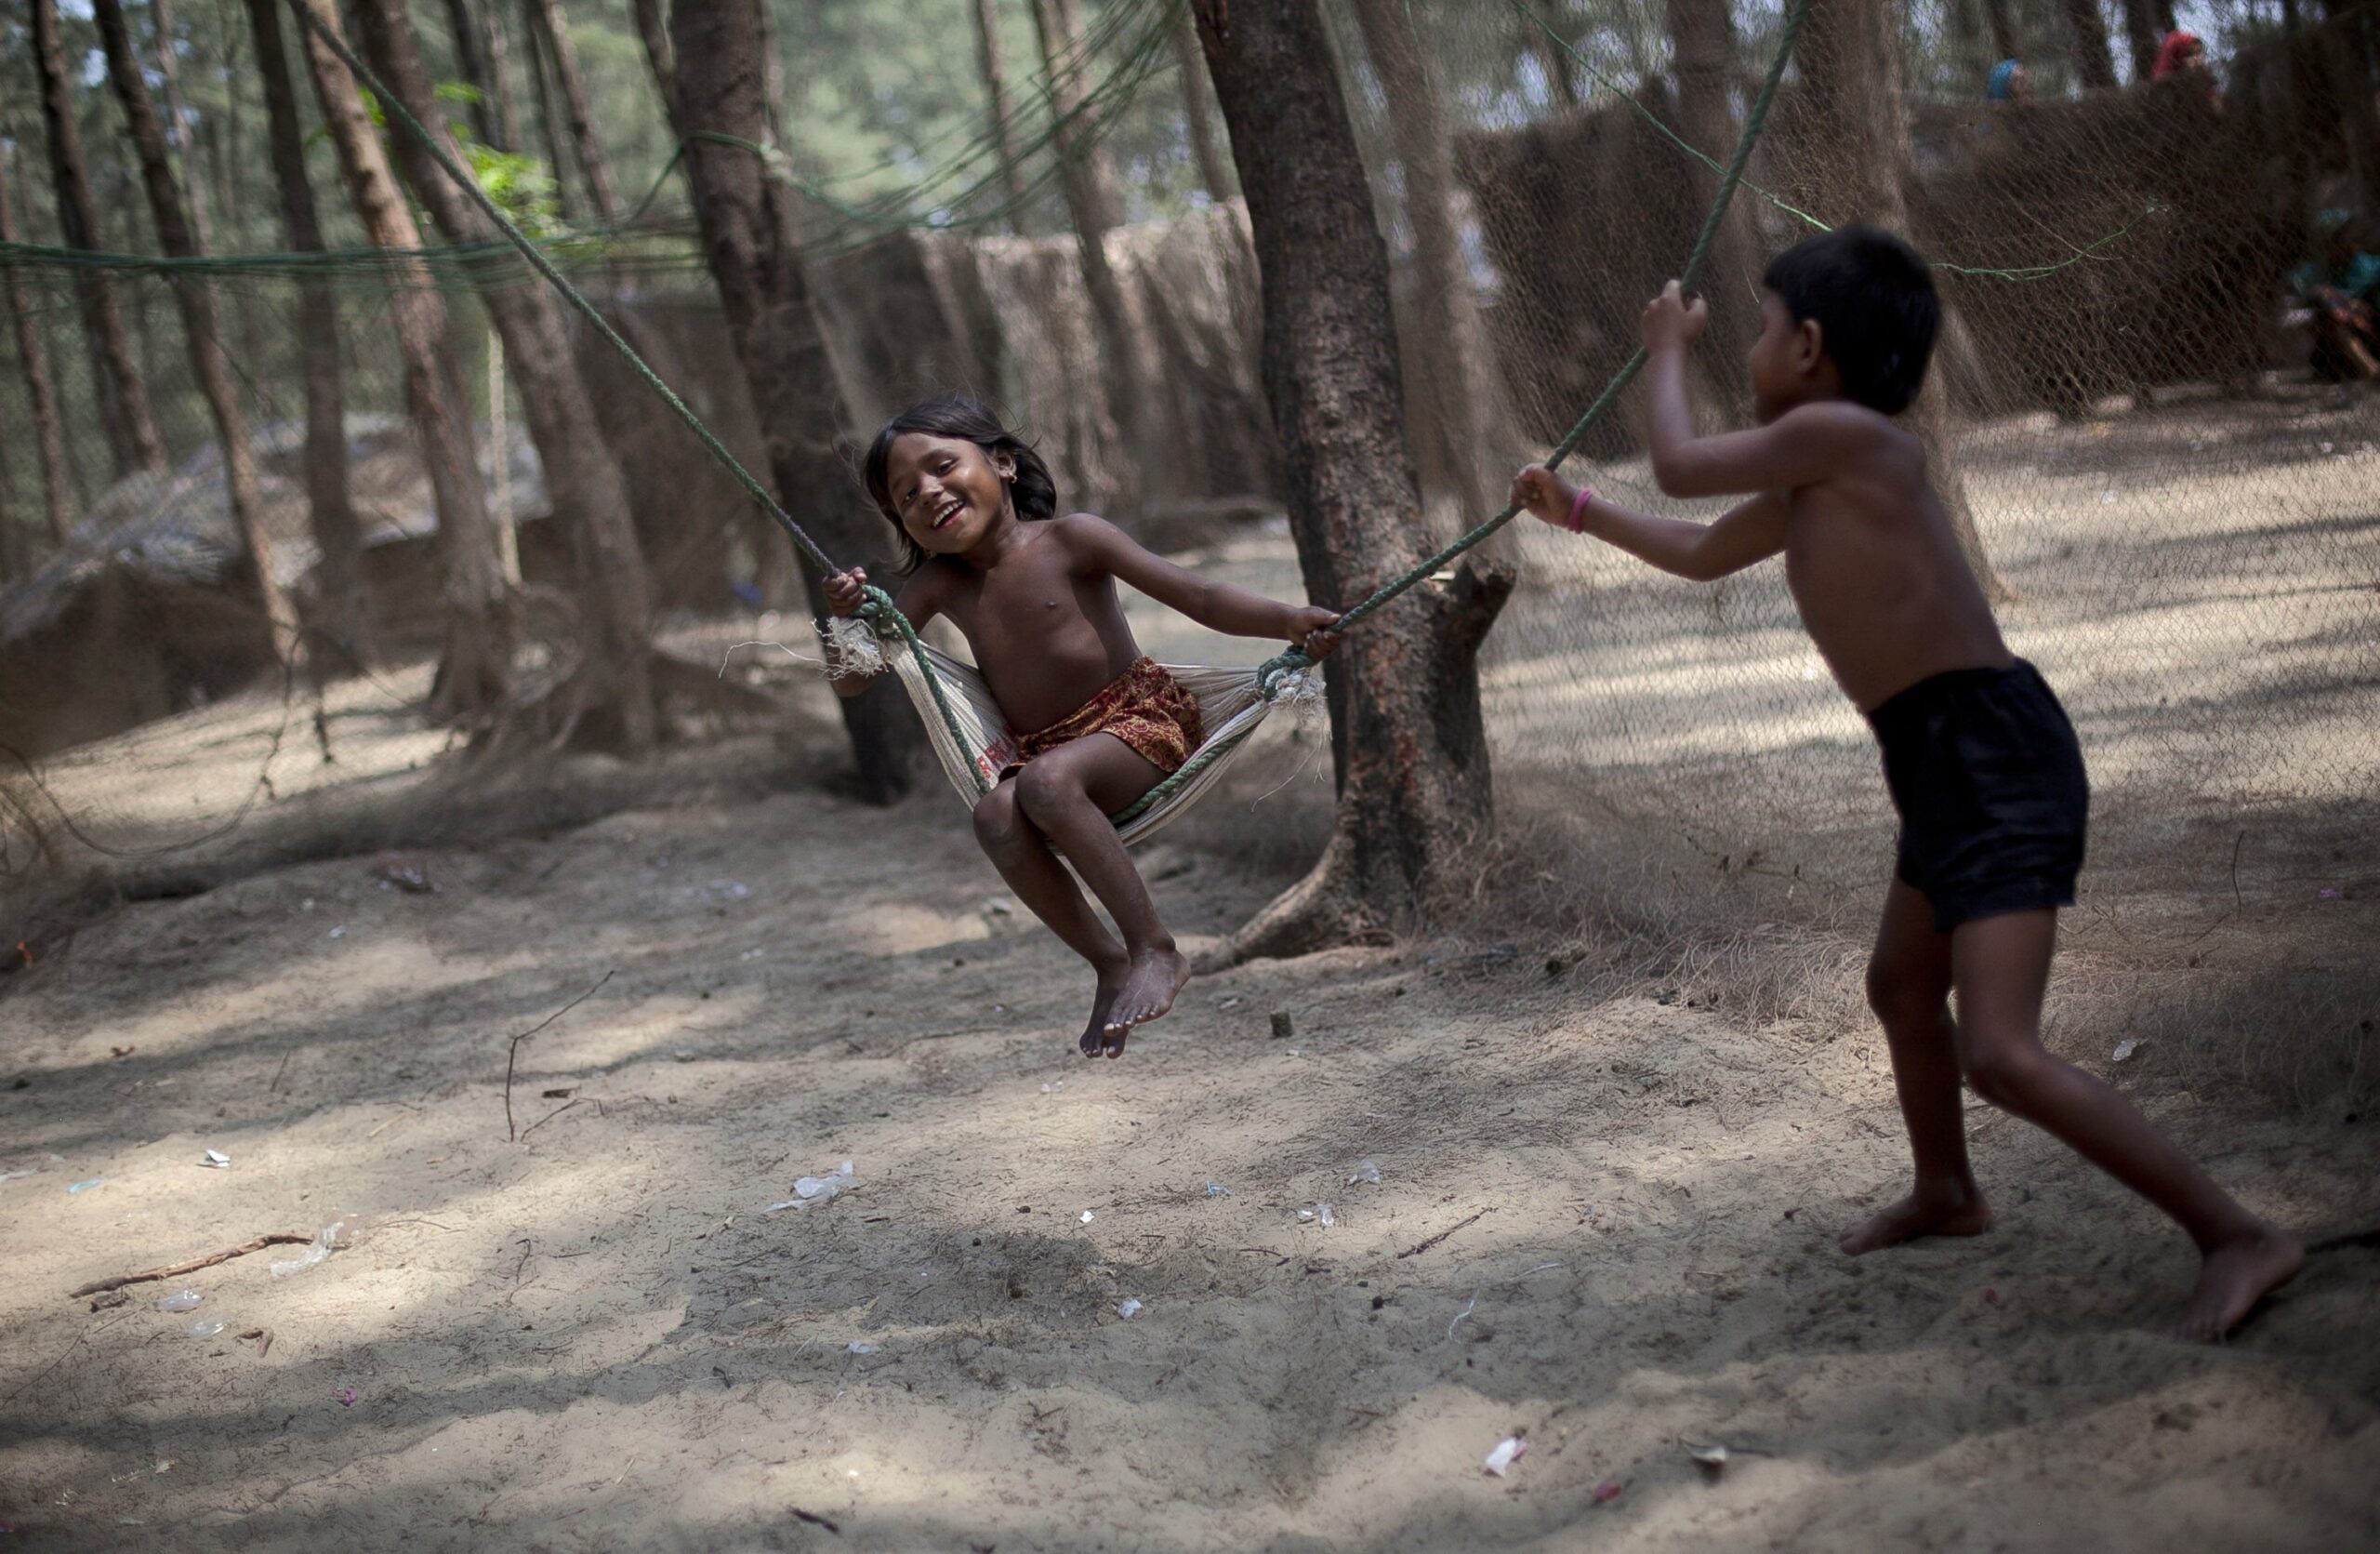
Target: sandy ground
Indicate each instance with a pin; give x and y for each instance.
(1604, 1220)
(595, 1337)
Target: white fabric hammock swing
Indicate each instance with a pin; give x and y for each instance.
(1231, 704)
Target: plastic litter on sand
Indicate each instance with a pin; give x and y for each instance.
(861, 1345)
(810, 1191)
(1366, 1171)
(1127, 1309)
(1508, 1451)
(180, 1300)
(216, 1160)
(204, 1329)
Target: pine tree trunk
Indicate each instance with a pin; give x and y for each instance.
(468, 22)
(1560, 70)
(475, 664)
(1444, 324)
(797, 395)
(2141, 36)
(1702, 39)
(2000, 19)
(997, 108)
(583, 484)
(1415, 793)
(197, 304)
(592, 164)
(1197, 108)
(1089, 184)
(499, 79)
(1850, 64)
(124, 401)
(41, 390)
(177, 137)
(652, 26)
(338, 534)
(2094, 63)
(539, 63)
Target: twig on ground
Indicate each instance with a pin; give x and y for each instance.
(816, 1521)
(1469, 1307)
(174, 1270)
(547, 1117)
(390, 1123)
(275, 1085)
(1425, 1246)
(264, 1333)
(42, 1375)
(512, 1054)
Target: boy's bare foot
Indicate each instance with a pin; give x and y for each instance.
(1158, 977)
(2235, 1276)
(1961, 1212)
(1111, 985)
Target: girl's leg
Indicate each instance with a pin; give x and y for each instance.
(1068, 794)
(1909, 987)
(1025, 860)
(2000, 968)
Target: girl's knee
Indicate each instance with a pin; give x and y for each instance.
(1044, 789)
(1899, 999)
(998, 823)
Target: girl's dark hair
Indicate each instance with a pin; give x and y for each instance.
(1032, 490)
(1873, 299)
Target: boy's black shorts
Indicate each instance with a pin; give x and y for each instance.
(1988, 776)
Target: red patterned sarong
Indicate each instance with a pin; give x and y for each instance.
(1145, 707)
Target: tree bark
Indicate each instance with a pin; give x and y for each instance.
(584, 484)
(1850, 66)
(1415, 791)
(499, 80)
(549, 125)
(468, 23)
(2141, 36)
(41, 390)
(197, 306)
(475, 663)
(1197, 107)
(1702, 39)
(1089, 184)
(123, 402)
(177, 136)
(652, 26)
(1561, 70)
(997, 108)
(592, 164)
(2000, 19)
(2094, 64)
(338, 534)
(797, 395)
(1445, 317)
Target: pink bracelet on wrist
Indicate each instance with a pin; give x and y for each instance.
(1577, 524)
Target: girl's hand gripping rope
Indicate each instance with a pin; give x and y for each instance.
(845, 591)
(1547, 496)
(1671, 322)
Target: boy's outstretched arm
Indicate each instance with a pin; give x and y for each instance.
(1101, 546)
(1749, 532)
(1798, 448)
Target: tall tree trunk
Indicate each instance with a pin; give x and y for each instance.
(797, 395)
(1444, 320)
(197, 304)
(1560, 70)
(588, 493)
(2000, 19)
(1197, 107)
(1850, 65)
(1415, 793)
(2094, 64)
(339, 534)
(538, 62)
(1088, 183)
(475, 662)
(1702, 39)
(499, 80)
(469, 21)
(41, 390)
(652, 26)
(592, 164)
(2141, 36)
(997, 107)
(123, 402)
(177, 136)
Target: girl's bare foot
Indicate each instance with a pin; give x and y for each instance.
(2234, 1277)
(1953, 1212)
(1097, 1033)
(1157, 975)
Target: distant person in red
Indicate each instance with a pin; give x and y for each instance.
(2182, 54)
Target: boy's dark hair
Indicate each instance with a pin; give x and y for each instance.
(1875, 303)
(956, 415)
